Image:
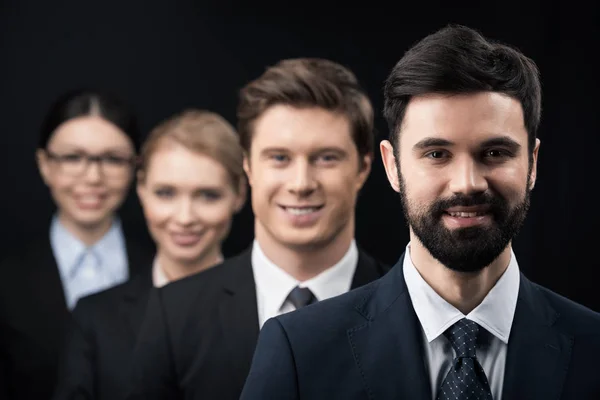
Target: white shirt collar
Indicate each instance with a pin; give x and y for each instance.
(275, 284)
(159, 278)
(495, 313)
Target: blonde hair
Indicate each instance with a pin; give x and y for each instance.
(203, 132)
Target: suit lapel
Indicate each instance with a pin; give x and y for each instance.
(48, 284)
(366, 270)
(538, 355)
(45, 314)
(135, 301)
(238, 314)
(140, 256)
(140, 253)
(388, 347)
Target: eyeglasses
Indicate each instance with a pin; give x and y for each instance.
(76, 164)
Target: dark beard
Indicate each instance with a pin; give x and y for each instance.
(466, 249)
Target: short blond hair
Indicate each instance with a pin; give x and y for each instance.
(201, 131)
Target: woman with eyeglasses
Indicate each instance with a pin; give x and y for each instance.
(86, 156)
(190, 183)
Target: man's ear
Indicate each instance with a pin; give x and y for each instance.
(247, 169)
(365, 170)
(533, 174)
(389, 163)
(242, 194)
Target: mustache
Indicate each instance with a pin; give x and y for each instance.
(496, 204)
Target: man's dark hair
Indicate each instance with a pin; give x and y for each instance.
(459, 60)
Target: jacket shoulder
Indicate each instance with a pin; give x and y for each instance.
(335, 314)
(572, 317)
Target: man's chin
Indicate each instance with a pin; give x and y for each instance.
(306, 241)
(468, 234)
(471, 257)
(465, 268)
(465, 250)
(305, 245)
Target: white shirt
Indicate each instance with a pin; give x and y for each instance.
(494, 314)
(273, 284)
(85, 270)
(159, 278)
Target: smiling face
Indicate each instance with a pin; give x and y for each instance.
(189, 201)
(87, 194)
(464, 175)
(305, 173)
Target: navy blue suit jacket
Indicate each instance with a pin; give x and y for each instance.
(368, 344)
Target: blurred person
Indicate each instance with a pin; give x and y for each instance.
(306, 127)
(191, 183)
(86, 155)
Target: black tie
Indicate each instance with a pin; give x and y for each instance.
(301, 297)
(466, 379)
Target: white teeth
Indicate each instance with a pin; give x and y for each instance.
(465, 214)
(301, 211)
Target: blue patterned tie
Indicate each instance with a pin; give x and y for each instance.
(466, 379)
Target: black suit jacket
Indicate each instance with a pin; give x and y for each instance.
(200, 332)
(100, 341)
(34, 315)
(368, 344)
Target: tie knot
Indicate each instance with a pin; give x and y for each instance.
(301, 297)
(463, 337)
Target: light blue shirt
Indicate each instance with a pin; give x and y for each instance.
(88, 269)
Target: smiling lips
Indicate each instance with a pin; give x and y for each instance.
(186, 239)
(301, 210)
(463, 217)
(467, 212)
(90, 201)
(304, 215)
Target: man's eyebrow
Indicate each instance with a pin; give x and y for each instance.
(503, 141)
(432, 142)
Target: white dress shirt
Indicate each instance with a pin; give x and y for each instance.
(273, 284)
(159, 278)
(494, 314)
(88, 269)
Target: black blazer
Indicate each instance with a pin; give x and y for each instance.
(34, 315)
(100, 341)
(368, 344)
(200, 332)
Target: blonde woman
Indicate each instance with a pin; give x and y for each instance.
(190, 183)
